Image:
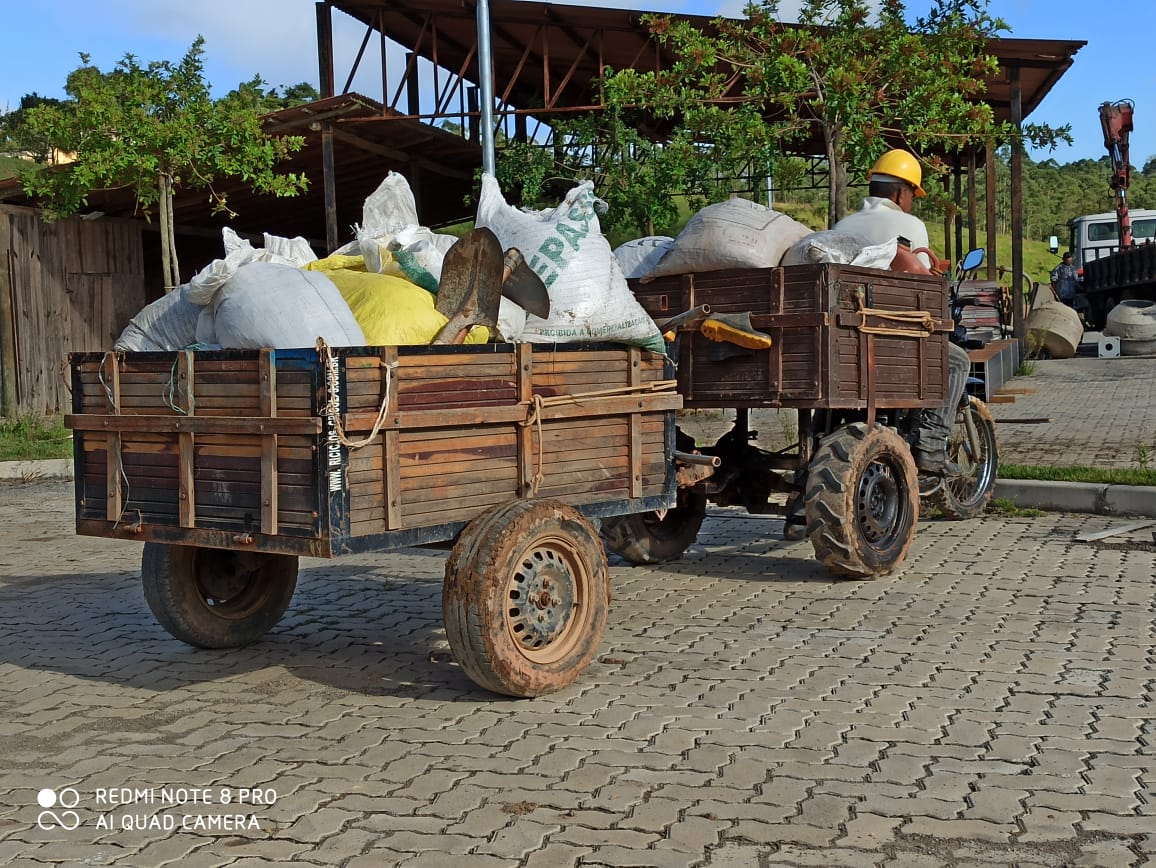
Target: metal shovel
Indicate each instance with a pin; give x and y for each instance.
(470, 289)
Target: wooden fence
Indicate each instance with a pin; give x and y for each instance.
(67, 286)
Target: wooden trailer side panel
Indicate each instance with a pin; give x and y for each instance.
(324, 452)
(822, 356)
(463, 432)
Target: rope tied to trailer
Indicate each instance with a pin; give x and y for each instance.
(538, 404)
(909, 323)
(332, 403)
(534, 417)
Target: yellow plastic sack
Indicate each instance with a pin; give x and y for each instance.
(390, 310)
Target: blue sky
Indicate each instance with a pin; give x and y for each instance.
(276, 40)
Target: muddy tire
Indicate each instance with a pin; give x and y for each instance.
(967, 494)
(644, 538)
(862, 501)
(215, 598)
(526, 597)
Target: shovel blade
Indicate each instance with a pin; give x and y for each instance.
(470, 289)
(523, 287)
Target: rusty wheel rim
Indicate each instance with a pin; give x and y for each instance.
(546, 600)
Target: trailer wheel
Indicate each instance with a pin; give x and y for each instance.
(216, 598)
(862, 501)
(644, 538)
(526, 597)
(967, 494)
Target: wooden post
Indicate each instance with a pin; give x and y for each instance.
(990, 186)
(971, 196)
(114, 496)
(186, 468)
(9, 400)
(391, 444)
(1017, 212)
(267, 384)
(635, 450)
(527, 458)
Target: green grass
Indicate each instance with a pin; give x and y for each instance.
(1008, 509)
(9, 166)
(1095, 475)
(32, 438)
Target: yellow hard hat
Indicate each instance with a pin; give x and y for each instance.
(899, 164)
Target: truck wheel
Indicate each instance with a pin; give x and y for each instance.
(862, 501)
(644, 538)
(526, 597)
(967, 494)
(216, 598)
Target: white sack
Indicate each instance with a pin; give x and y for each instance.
(389, 208)
(265, 304)
(390, 215)
(636, 258)
(589, 298)
(736, 233)
(827, 245)
(877, 255)
(167, 324)
(238, 252)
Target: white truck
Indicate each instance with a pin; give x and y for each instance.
(1107, 274)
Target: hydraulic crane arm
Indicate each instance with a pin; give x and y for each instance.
(1116, 121)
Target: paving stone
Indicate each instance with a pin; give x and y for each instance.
(988, 704)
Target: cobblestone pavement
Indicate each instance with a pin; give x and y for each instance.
(1087, 411)
(990, 704)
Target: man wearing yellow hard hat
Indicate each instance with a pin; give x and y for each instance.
(885, 213)
(894, 185)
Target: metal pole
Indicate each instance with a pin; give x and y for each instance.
(486, 82)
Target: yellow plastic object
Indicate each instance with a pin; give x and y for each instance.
(390, 310)
(900, 164)
(725, 332)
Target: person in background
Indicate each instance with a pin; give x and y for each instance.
(894, 185)
(1066, 280)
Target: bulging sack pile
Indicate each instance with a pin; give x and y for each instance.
(380, 289)
(589, 298)
(736, 233)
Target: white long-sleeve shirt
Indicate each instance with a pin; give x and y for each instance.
(879, 220)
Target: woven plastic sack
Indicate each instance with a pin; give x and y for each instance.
(265, 304)
(589, 298)
(636, 258)
(167, 324)
(391, 310)
(736, 233)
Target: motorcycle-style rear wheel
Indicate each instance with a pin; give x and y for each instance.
(862, 501)
(967, 493)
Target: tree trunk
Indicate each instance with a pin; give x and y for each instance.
(166, 241)
(173, 260)
(836, 174)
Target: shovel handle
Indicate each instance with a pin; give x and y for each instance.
(510, 263)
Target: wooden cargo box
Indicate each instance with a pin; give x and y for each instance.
(325, 452)
(837, 341)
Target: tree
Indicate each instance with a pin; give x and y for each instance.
(156, 129)
(757, 87)
(15, 137)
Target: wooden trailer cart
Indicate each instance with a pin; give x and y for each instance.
(858, 353)
(229, 465)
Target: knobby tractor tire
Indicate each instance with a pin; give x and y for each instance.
(967, 494)
(215, 598)
(526, 597)
(862, 501)
(644, 538)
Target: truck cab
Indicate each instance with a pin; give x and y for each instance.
(1094, 236)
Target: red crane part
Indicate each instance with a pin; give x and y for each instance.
(1116, 121)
